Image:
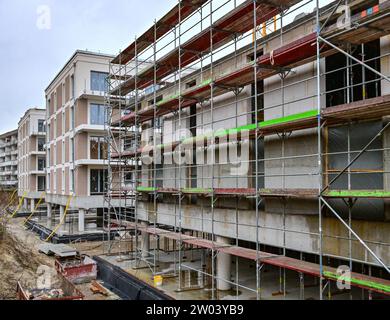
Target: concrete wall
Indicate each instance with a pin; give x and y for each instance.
(191, 219)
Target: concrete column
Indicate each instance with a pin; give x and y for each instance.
(25, 204)
(224, 266)
(62, 213)
(145, 241)
(32, 204)
(81, 220)
(49, 210)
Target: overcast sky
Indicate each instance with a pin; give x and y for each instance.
(37, 37)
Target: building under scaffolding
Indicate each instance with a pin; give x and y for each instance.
(254, 135)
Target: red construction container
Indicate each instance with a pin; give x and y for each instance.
(64, 291)
(81, 269)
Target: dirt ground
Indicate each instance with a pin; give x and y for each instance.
(20, 261)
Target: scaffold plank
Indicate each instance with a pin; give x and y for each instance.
(163, 26)
(356, 279)
(369, 194)
(237, 21)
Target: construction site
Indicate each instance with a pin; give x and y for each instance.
(243, 154)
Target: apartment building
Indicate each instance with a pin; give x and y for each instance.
(32, 156)
(9, 160)
(76, 163)
(272, 97)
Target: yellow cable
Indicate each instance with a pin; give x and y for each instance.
(35, 209)
(62, 220)
(17, 209)
(10, 201)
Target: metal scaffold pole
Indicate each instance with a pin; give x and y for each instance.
(214, 253)
(180, 192)
(276, 90)
(319, 142)
(137, 179)
(156, 129)
(255, 69)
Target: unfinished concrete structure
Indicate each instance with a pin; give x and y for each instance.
(274, 151)
(76, 162)
(32, 157)
(9, 160)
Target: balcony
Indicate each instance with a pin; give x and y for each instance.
(39, 133)
(91, 128)
(91, 162)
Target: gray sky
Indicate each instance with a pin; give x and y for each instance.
(31, 55)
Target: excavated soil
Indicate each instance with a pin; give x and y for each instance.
(18, 262)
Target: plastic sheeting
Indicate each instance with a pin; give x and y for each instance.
(359, 136)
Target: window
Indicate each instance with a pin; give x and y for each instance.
(129, 144)
(97, 114)
(63, 123)
(63, 152)
(72, 86)
(363, 84)
(72, 118)
(63, 94)
(98, 148)
(72, 180)
(41, 144)
(41, 125)
(191, 84)
(158, 99)
(41, 183)
(41, 164)
(129, 179)
(72, 156)
(98, 181)
(48, 107)
(98, 81)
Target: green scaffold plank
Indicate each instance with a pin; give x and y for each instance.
(360, 282)
(358, 193)
(146, 189)
(176, 96)
(226, 132)
(291, 118)
(197, 190)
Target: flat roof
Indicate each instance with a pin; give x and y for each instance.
(84, 52)
(29, 110)
(9, 133)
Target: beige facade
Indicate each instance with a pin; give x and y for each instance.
(76, 148)
(8, 160)
(32, 155)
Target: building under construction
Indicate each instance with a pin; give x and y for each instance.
(250, 150)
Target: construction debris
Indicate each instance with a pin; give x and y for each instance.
(79, 269)
(97, 288)
(63, 290)
(59, 250)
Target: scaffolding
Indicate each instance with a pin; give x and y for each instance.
(181, 87)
